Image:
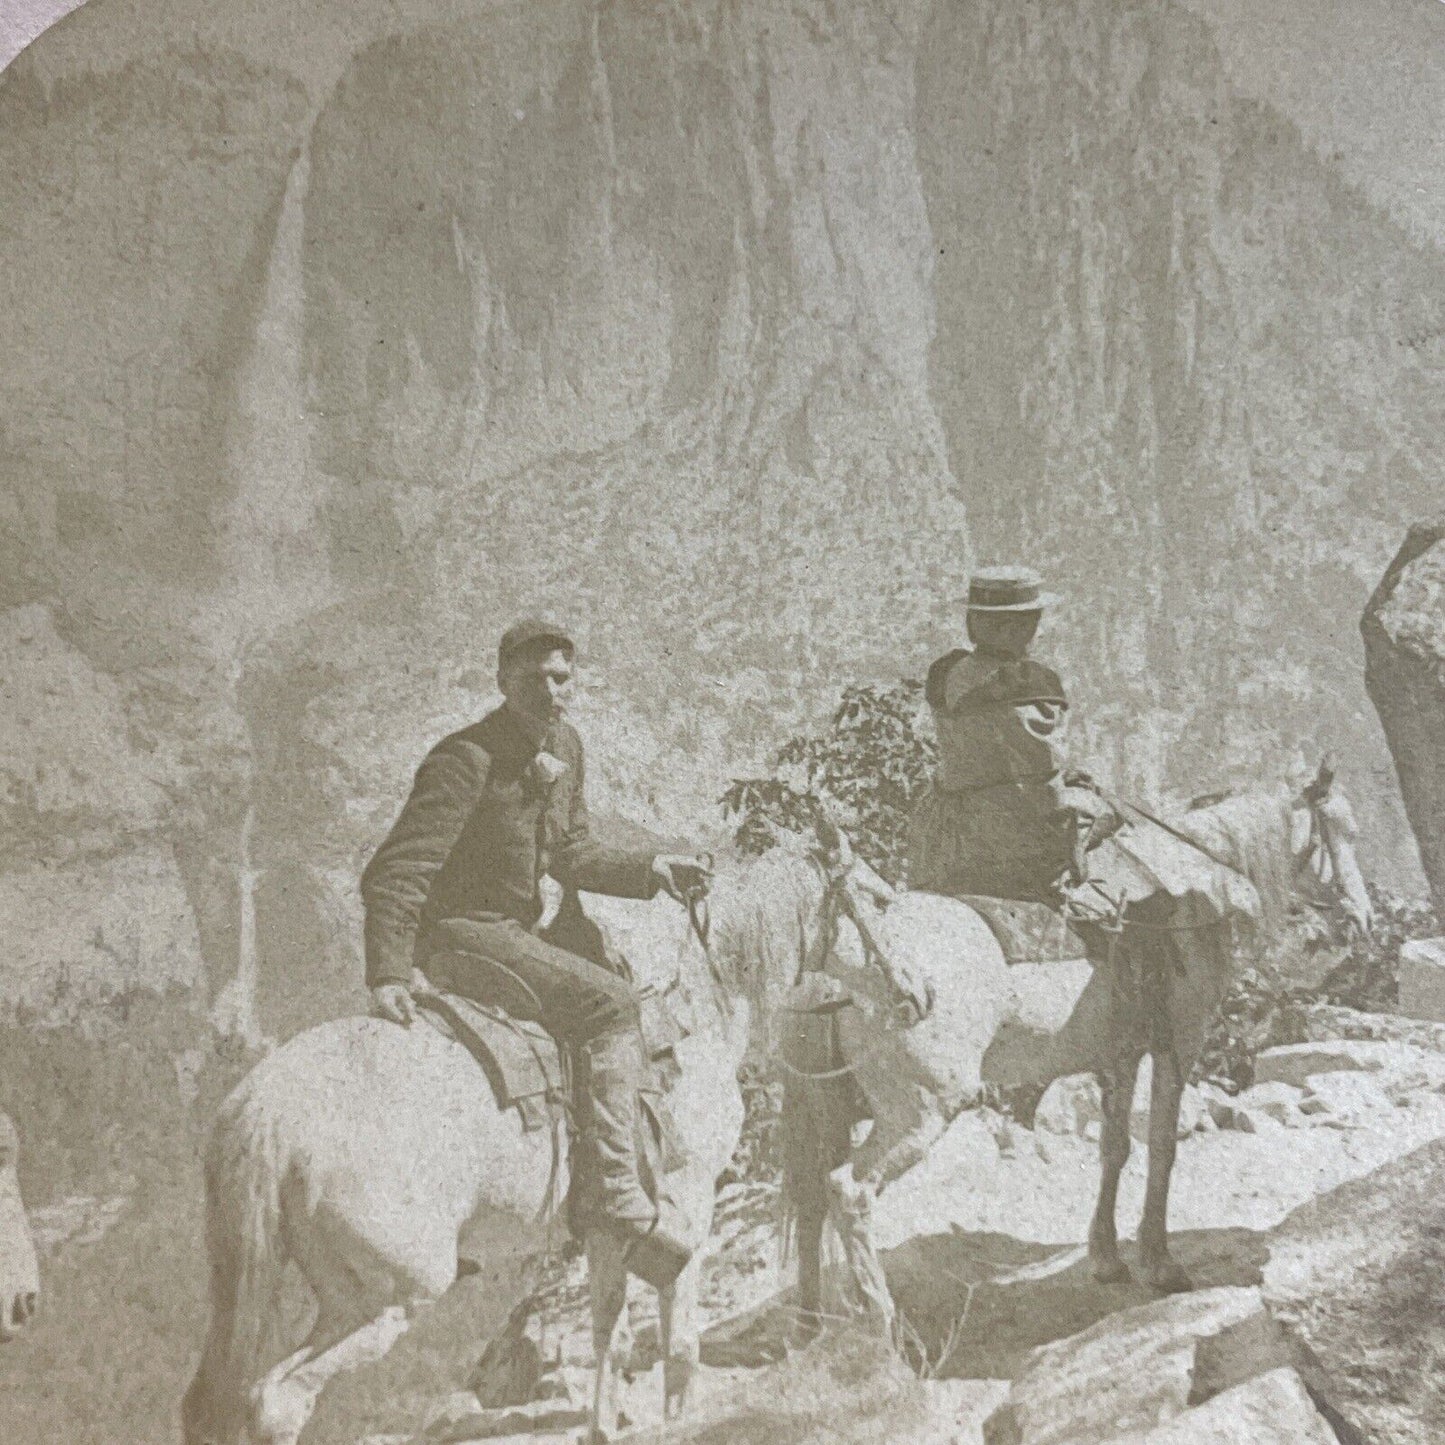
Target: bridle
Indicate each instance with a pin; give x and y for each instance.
(1320, 859)
(840, 900)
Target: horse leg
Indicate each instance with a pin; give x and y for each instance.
(367, 1290)
(611, 1340)
(1117, 1096)
(286, 1397)
(894, 1146)
(850, 1207)
(695, 1190)
(812, 1215)
(1166, 1089)
(901, 1136)
(681, 1339)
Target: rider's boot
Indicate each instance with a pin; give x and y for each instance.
(657, 1233)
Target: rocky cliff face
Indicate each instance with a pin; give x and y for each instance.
(731, 334)
(1185, 368)
(1404, 632)
(619, 312)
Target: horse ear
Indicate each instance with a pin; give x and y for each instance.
(1318, 790)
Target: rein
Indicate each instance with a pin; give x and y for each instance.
(698, 915)
(1185, 838)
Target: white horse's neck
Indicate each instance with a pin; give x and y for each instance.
(766, 919)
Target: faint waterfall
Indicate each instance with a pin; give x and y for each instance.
(270, 567)
(271, 559)
(234, 1011)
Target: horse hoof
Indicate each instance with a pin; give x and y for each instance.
(1168, 1279)
(803, 1327)
(1112, 1271)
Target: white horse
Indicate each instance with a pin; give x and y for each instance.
(19, 1272)
(984, 1028)
(362, 1150)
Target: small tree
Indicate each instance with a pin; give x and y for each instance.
(868, 767)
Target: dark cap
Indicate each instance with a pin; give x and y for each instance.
(533, 632)
(1007, 589)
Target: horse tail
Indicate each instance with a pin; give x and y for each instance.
(819, 1109)
(243, 1170)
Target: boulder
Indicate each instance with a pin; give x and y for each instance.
(1128, 1372)
(1324, 1022)
(1271, 1409)
(1269, 1103)
(1422, 978)
(958, 1410)
(1356, 1277)
(1072, 1106)
(1404, 633)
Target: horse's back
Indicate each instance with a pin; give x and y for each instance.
(944, 932)
(366, 1115)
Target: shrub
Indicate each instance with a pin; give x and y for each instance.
(867, 768)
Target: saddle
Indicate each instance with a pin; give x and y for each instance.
(527, 1068)
(522, 1061)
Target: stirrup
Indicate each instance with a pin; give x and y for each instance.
(663, 1252)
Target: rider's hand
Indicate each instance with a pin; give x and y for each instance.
(682, 873)
(393, 1001)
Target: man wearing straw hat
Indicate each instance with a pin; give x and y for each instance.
(1003, 819)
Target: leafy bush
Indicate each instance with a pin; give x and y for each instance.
(867, 768)
(1254, 1014)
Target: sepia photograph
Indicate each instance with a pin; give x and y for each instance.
(722, 722)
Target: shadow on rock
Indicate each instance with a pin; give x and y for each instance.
(974, 1305)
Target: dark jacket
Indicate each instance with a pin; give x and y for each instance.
(482, 825)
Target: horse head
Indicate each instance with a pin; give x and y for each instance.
(1326, 865)
(853, 885)
(840, 862)
(19, 1272)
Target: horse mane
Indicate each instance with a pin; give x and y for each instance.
(1251, 832)
(762, 912)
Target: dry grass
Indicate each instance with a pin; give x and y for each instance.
(847, 1387)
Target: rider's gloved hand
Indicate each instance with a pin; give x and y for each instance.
(393, 1001)
(682, 873)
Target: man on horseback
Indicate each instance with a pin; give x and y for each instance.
(1003, 818)
(455, 890)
